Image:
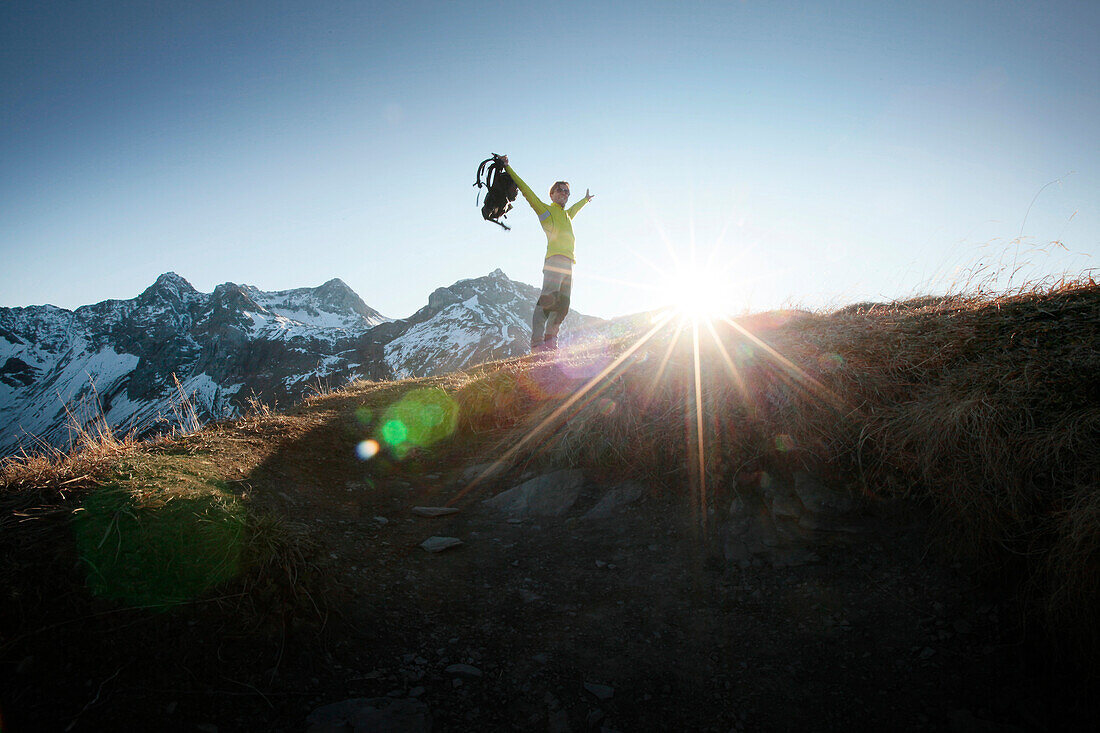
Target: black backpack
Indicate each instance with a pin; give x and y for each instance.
(501, 189)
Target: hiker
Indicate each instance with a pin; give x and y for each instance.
(557, 270)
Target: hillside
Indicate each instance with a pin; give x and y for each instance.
(879, 518)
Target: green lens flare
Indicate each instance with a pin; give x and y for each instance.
(419, 419)
(394, 432)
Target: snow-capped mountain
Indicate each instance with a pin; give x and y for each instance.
(471, 322)
(119, 356)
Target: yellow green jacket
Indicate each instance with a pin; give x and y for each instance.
(556, 221)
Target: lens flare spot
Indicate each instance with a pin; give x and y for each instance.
(419, 419)
(394, 432)
(831, 361)
(607, 406)
(364, 415)
(367, 450)
(783, 443)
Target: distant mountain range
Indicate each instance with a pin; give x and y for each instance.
(235, 343)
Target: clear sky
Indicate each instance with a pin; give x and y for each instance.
(817, 153)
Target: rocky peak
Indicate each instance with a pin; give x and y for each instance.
(496, 287)
(233, 297)
(441, 298)
(170, 289)
(339, 297)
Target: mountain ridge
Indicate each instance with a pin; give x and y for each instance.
(234, 344)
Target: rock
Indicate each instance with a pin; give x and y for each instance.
(464, 670)
(780, 498)
(786, 506)
(549, 495)
(819, 499)
(529, 596)
(438, 544)
(616, 498)
(405, 715)
(602, 692)
(381, 520)
(434, 511)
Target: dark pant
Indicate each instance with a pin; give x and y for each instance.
(553, 302)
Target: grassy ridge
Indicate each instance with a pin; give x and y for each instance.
(985, 406)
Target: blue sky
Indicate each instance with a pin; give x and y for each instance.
(809, 155)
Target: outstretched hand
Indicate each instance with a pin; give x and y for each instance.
(588, 195)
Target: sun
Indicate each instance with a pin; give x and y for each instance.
(699, 294)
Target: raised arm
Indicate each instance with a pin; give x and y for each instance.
(572, 210)
(540, 208)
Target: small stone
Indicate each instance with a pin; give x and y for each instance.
(927, 652)
(615, 499)
(464, 670)
(438, 544)
(434, 511)
(529, 596)
(549, 495)
(602, 692)
(381, 520)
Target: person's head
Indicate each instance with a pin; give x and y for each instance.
(559, 193)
